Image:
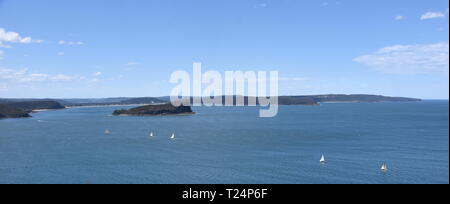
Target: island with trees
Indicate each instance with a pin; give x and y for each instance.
(155, 110)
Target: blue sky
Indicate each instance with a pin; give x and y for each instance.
(108, 48)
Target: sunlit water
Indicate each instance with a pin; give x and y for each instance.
(231, 145)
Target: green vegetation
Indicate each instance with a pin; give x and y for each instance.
(35, 105)
(11, 112)
(150, 110)
(21, 109)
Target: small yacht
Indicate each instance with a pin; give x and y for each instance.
(322, 159)
(107, 132)
(151, 134)
(384, 167)
(173, 136)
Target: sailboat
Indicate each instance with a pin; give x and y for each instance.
(322, 159)
(384, 167)
(173, 136)
(151, 134)
(107, 132)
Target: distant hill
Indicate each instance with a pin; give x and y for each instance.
(110, 101)
(358, 98)
(282, 100)
(317, 99)
(35, 105)
(71, 102)
(145, 100)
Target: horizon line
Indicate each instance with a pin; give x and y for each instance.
(214, 96)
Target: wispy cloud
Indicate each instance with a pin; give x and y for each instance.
(432, 15)
(96, 74)
(70, 43)
(399, 18)
(1, 54)
(132, 63)
(409, 59)
(23, 76)
(4, 45)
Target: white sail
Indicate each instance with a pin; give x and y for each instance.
(322, 159)
(173, 136)
(107, 132)
(151, 134)
(384, 167)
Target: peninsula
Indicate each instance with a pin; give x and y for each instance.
(11, 112)
(22, 109)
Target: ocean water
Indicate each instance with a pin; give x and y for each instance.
(232, 145)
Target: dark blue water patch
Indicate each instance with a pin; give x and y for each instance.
(231, 145)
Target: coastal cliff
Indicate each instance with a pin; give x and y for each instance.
(155, 110)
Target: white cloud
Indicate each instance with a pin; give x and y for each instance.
(70, 43)
(399, 18)
(23, 76)
(432, 15)
(13, 37)
(62, 77)
(409, 59)
(96, 74)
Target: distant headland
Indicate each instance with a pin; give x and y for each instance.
(20, 108)
(317, 99)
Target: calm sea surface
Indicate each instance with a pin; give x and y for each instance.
(232, 145)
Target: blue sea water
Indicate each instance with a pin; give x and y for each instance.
(232, 145)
